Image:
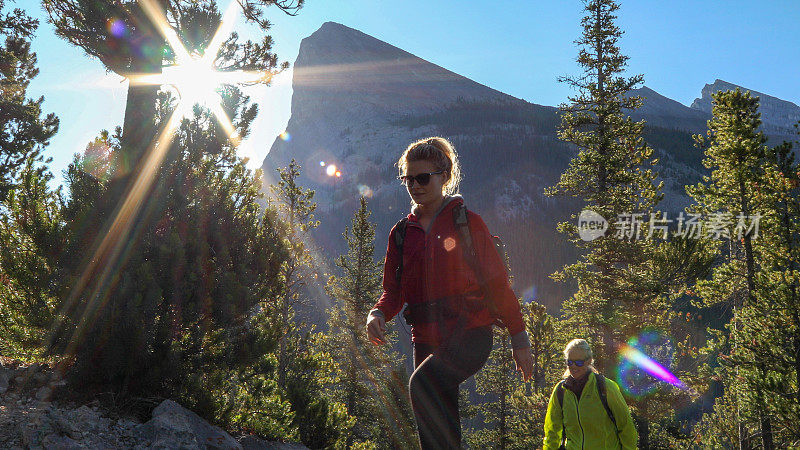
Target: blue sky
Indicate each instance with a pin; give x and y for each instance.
(518, 47)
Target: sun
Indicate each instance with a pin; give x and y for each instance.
(195, 81)
(193, 76)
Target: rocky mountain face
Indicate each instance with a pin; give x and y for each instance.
(778, 116)
(358, 102)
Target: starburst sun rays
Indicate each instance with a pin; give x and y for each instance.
(194, 76)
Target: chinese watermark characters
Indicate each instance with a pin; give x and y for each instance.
(636, 226)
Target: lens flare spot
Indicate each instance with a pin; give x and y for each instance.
(322, 163)
(285, 136)
(116, 27)
(330, 170)
(449, 244)
(365, 190)
(643, 364)
(529, 294)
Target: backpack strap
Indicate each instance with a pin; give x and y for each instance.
(601, 389)
(462, 224)
(399, 238)
(560, 397)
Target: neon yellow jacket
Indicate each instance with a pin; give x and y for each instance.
(587, 424)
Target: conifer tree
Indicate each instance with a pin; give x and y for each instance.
(773, 324)
(367, 373)
(736, 154)
(295, 208)
(28, 207)
(496, 382)
(201, 259)
(321, 422)
(618, 293)
(23, 131)
(612, 174)
(759, 355)
(127, 39)
(32, 237)
(546, 345)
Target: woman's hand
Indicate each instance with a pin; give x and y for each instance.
(523, 361)
(376, 329)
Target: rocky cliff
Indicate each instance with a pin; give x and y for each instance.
(778, 116)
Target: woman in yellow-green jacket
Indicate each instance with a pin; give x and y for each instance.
(578, 417)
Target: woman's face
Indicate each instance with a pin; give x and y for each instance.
(431, 192)
(574, 370)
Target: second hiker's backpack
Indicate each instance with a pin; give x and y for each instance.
(601, 389)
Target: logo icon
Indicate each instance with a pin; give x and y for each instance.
(591, 225)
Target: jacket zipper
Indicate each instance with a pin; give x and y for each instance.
(578, 413)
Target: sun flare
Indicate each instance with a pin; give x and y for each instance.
(195, 81)
(193, 76)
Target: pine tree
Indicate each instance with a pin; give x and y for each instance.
(736, 154)
(496, 382)
(620, 291)
(611, 174)
(762, 363)
(367, 373)
(32, 237)
(200, 260)
(116, 214)
(774, 325)
(23, 132)
(295, 208)
(30, 225)
(546, 345)
(300, 365)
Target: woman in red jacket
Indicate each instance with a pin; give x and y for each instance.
(451, 324)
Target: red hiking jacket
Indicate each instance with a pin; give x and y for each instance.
(434, 267)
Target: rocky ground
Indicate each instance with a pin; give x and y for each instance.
(31, 418)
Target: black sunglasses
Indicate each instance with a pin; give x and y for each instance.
(422, 179)
(577, 362)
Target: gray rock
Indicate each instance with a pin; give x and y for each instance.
(84, 418)
(255, 443)
(40, 378)
(174, 426)
(30, 437)
(54, 441)
(4, 380)
(44, 393)
(778, 116)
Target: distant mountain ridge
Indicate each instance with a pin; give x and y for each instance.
(358, 102)
(778, 116)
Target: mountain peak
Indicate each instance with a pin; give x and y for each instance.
(338, 65)
(778, 116)
(337, 43)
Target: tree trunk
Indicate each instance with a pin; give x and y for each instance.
(643, 428)
(138, 129)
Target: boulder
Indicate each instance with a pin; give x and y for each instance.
(174, 426)
(5, 378)
(254, 443)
